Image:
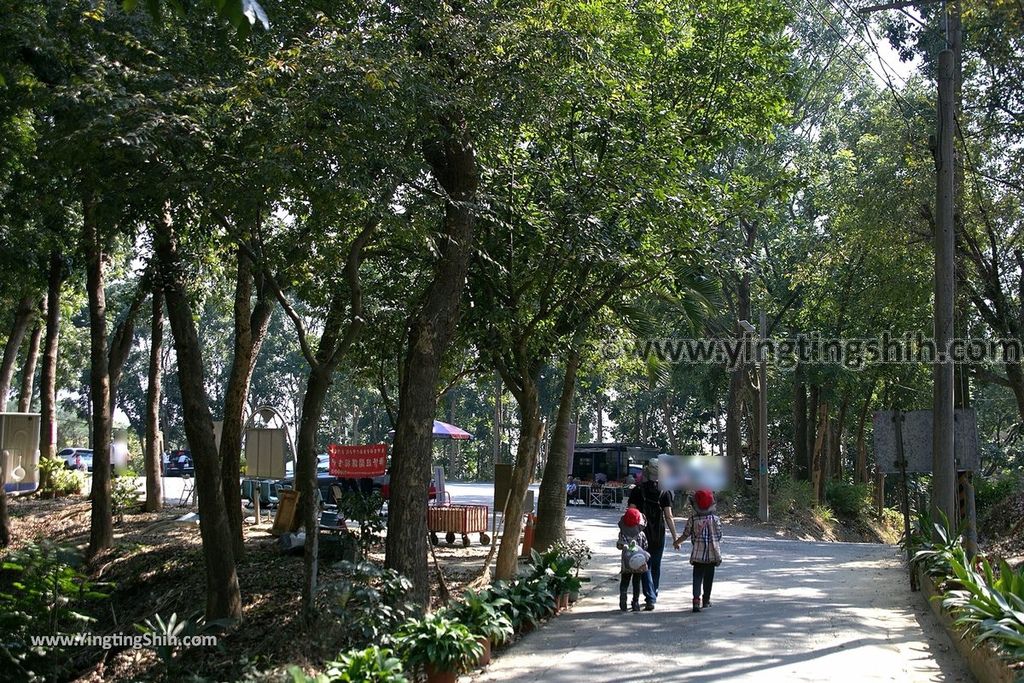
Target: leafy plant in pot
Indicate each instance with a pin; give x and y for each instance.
(557, 570)
(483, 616)
(580, 555)
(442, 646)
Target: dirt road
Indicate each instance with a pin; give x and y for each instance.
(783, 610)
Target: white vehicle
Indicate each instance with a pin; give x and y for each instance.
(77, 458)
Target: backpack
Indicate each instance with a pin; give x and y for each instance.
(636, 558)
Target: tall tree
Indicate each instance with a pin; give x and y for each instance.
(223, 598)
(154, 444)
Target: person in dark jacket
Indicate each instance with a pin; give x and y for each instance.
(656, 506)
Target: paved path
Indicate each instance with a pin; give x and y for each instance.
(783, 611)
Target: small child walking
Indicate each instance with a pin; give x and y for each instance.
(635, 558)
(704, 529)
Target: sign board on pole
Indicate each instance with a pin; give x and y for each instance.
(439, 485)
(917, 440)
(357, 462)
(265, 451)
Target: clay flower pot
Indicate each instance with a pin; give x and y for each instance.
(485, 658)
(440, 676)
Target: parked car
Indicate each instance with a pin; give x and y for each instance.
(77, 458)
(322, 465)
(174, 466)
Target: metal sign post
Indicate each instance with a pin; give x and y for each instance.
(901, 462)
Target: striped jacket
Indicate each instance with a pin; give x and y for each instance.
(704, 529)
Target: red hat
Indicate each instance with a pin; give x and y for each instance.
(631, 518)
(704, 499)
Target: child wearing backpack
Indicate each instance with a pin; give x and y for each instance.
(635, 560)
(704, 529)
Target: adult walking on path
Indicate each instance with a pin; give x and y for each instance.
(784, 610)
(656, 506)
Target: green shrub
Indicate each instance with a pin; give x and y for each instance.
(823, 514)
(483, 616)
(989, 492)
(364, 508)
(934, 547)
(788, 494)
(848, 499)
(576, 550)
(167, 631)
(986, 606)
(525, 602)
(43, 592)
(372, 665)
(557, 569)
(440, 642)
(124, 494)
(59, 480)
(367, 603)
(892, 518)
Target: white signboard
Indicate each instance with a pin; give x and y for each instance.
(265, 451)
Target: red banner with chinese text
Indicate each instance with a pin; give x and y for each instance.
(355, 462)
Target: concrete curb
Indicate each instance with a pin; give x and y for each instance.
(983, 658)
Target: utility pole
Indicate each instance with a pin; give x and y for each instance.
(944, 470)
(943, 462)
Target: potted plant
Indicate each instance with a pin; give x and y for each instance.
(579, 553)
(443, 647)
(372, 665)
(557, 569)
(482, 615)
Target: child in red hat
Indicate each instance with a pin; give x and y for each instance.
(635, 560)
(704, 528)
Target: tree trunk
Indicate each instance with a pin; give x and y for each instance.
(101, 530)
(801, 468)
(734, 425)
(551, 501)
(666, 407)
(48, 371)
(818, 458)
(836, 450)
(223, 599)
(5, 517)
(526, 460)
(251, 323)
(433, 325)
(22, 317)
(123, 336)
(317, 385)
(812, 427)
(154, 447)
(860, 470)
(28, 370)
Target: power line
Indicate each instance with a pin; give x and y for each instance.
(871, 40)
(901, 103)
